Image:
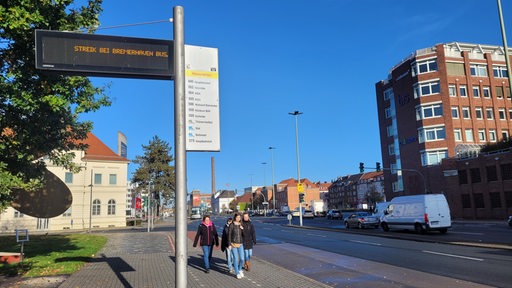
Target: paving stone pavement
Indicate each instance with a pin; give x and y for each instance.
(140, 259)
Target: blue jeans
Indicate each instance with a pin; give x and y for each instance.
(248, 254)
(229, 258)
(238, 257)
(207, 254)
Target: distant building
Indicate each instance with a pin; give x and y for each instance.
(221, 200)
(343, 192)
(287, 193)
(106, 196)
(197, 199)
(439, 102)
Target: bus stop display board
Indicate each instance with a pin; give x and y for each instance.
(101, 55)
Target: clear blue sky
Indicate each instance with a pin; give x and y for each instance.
(322, 58)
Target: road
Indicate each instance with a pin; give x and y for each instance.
(384, 255)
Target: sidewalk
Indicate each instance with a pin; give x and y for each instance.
(141, 259)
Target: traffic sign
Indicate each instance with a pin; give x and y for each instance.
(300, 188)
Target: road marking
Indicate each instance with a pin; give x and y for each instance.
(467, 233)
(316, 235)
(364, 242)
(452, 255)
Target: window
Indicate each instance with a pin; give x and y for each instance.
(501, 114)
(388, 94)
(481, 135)
(455, 112)
(478, 113)
(391, 149)
(489, 113)
(475, 175)
(390, 131)
(111, 208)
(492, 173)
(387, 111)
(463, 91)
(476, 92)
(499, 71)
(452, 90)
(67, 213)
(492, 135)
(506, 171)
(425, 89)
(499, 92)
(68, 178)
(510, 114)
(457, 134)
(463, 177)
(455, 69)
(508, 198)
(486, 91)
(469, 135)
(429, 111)
(465, 113)
(425, 66)
(112, 179)
(466, 201)
(433, 157)
(18, 214)
(479, 200)
(96, 207)
(478, 70)
(97, 178)
(431, 134)
(495, 199)
(504, 135)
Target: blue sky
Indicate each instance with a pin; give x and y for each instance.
(322, 58)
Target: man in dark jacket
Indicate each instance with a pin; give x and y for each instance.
(209, 237)
(224, 245)
(249, 236)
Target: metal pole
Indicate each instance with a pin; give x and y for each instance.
(180, 148)
(273, 185)
(90, 205)
(148, 215)
(296, 114)
(507, 56)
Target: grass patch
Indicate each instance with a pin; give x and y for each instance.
(51, 254)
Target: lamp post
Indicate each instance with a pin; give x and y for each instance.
(273, 185)
(296, 115)
(505, 47)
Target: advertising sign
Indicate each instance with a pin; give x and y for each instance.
(202, 99)
(102, 55)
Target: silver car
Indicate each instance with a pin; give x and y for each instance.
(361, 220)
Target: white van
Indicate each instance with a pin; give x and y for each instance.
(379, 209)
(419, 212)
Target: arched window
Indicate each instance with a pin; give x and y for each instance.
(111, 207)
(96, 207)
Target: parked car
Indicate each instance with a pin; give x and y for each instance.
(308, 214)
(361, 220)
(320, 213)
(334, 214)
(510, 221)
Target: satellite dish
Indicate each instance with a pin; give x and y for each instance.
(50, 201)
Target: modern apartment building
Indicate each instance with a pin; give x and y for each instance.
(442, 101)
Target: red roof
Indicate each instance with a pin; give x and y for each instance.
(98, 151)
(371, 175)
(292, 182)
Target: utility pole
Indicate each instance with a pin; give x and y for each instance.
(299, 186)
(273, 184)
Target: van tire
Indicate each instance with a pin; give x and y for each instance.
(384, 226)
(443, 230)
(419, 229)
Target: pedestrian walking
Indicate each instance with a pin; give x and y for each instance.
(209, 237)
(249, 237)
(235, 244)
(224, 245)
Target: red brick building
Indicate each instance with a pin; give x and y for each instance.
(287, 193)
(442, 101)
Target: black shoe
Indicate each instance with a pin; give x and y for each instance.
(207, 271)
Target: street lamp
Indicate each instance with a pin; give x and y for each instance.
(296, 114)
(273, 185)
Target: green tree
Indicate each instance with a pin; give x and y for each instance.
(39, 111)
(155, 170)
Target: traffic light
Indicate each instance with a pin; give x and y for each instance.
(361, 167)
(377, 166)
(138, 203)
(301, 198)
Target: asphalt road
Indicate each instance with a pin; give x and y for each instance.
(483, 265)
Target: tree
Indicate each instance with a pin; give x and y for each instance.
(39, 111)
(155, 170)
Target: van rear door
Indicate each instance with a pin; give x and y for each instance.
(438, 212)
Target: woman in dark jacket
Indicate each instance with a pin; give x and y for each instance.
(209, 237)
(249, 236)
(235, 244)
(224, 245)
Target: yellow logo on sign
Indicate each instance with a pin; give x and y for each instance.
(300, 188)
